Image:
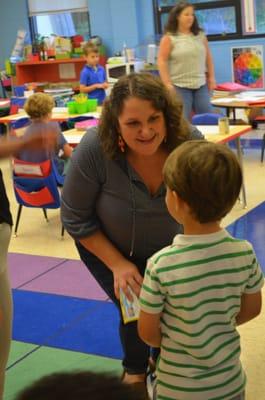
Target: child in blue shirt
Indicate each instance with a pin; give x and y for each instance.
(93, 76)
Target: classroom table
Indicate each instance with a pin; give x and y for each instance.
(211, 133)
(232, 103)
(58, 114)
(4, 103)
(4, 110)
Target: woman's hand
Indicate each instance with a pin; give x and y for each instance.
(127, 275)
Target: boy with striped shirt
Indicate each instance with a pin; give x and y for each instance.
(197, 290)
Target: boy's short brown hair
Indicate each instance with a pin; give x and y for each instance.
(90, 48)
(207, 176)
(39, 105)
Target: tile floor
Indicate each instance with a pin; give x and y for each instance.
(62, 318)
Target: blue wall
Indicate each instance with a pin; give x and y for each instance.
(116, 21)
(221, 52)
(13, 16)
(119, 21)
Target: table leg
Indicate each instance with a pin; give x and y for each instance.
(240, 159)
(228, 109)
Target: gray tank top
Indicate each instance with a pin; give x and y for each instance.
(187, 60)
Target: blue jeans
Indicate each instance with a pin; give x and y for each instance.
(195, 100)
(136, 352)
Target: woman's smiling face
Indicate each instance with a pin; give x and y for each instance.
(142, 127)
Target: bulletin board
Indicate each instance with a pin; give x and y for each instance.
(247, 66)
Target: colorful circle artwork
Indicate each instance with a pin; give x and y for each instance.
(248, 69)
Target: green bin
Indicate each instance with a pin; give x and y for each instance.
(81, 108)
(71, 107)
(92, 105)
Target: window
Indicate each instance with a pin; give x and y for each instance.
(220, 19)
(260, 5)
(60, 17)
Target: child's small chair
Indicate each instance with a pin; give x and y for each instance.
(206, 119)
(35, 185)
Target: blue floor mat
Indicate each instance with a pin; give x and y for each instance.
(87, 326)
(252, 228)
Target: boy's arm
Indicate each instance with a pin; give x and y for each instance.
(250, 307)
(90, 88)
(149, 328)
(67, 150)
(36, 141)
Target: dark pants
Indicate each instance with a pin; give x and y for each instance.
(136, 352)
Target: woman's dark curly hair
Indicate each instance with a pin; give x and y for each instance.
(144, 86)
(172, 22)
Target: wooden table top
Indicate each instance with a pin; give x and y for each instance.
(233, 102)
(211, 133)
(56, 116)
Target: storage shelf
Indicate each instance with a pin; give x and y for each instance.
(46, 71)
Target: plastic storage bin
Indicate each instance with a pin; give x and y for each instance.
(92, 105)
(81, 108)
(71, 106)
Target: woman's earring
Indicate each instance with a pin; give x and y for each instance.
(121, 144)
(165, 139)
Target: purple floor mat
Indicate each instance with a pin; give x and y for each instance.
(24, 268)
(69, 279)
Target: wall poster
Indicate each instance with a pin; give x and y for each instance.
(247, 66)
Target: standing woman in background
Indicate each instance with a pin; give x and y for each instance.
(184, 60)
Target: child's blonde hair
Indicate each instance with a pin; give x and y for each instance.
(39, 105)
(90, 48)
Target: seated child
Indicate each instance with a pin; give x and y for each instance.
(80, 385)
(93, 76)
(39, 108)
(197, 290)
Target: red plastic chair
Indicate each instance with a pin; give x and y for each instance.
(35, 186)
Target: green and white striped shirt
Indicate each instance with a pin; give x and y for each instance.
(197, 284)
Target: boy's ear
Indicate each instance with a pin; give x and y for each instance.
(174, 193)
(176, 196)
(178, 200)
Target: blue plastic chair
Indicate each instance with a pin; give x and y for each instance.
(35, 185)
(19, 90)
(19, 123)
(206, 119)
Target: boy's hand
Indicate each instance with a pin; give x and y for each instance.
(103, 85)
